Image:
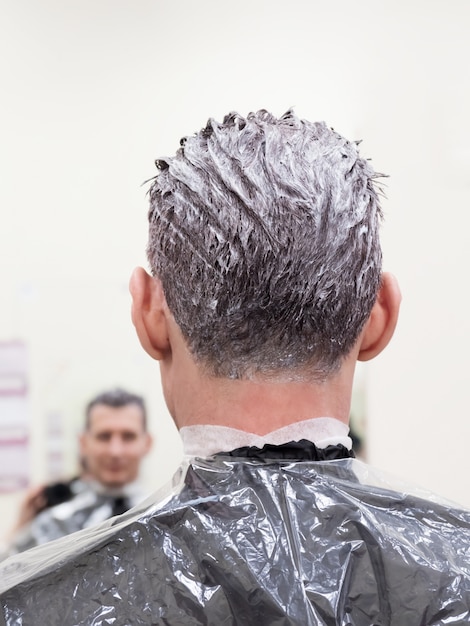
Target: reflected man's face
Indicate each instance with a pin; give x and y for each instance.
(114, 444)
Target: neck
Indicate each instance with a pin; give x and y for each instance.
(258, 406)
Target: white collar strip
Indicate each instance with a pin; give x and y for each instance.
(207, 439)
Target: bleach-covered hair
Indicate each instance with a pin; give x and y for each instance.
(264, 234)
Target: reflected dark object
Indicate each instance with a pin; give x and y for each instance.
(357, 443)
(58, 492)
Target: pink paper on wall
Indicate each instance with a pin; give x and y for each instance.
(14, 416)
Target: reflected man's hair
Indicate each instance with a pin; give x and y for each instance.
(264, 234)
(116, 398)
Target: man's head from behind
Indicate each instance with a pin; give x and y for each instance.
(264, 234)
(115, 438)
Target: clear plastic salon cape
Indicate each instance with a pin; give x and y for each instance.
(247, 541)
(88, 505)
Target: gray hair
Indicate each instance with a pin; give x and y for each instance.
(264, 233)
(116, 398)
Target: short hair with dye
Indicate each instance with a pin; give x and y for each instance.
(264, 234)
(116, 398)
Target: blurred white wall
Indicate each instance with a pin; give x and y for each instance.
(92, 92)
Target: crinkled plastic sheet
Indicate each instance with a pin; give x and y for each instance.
(246, 542)
(88, 507)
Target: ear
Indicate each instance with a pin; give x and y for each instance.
(148, 443)
(149, 313)
(382, 321)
